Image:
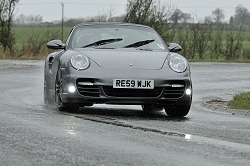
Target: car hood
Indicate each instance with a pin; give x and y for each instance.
(126, 58)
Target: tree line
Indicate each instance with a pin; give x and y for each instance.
(210, 38)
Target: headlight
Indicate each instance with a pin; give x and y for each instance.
(178, 64)
(79, 62)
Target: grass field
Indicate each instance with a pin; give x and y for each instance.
(24, 33)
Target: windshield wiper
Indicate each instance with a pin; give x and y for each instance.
(139, 43)
(103, 42)
(145, 49)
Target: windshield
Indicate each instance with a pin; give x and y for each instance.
(116, 36)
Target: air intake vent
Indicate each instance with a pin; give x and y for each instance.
(175, 90)
(86, 87)
(115, 92)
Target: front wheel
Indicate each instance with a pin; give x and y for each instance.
(177, 111)
(58, 90)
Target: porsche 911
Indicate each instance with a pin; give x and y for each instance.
(117, 63)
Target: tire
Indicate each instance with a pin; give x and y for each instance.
(58, 90)
(45, 91)
(151, 108)
(177, 111)
(45, 97)
(48, 96)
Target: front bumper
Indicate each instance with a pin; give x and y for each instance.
(95, 86)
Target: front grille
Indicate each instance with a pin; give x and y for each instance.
(175, 90)
(116, 92)
(85, 88)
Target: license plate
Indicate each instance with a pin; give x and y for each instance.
(133, 83)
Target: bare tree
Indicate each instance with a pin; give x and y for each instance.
(110, 13)
(186, 17)
(218, 15)
(183, 38)
(216, 46)
(208, 19)
(7, 39)
(179, 17)
(152, 13)
(138, 11)
(234, 40)
(103, 16)
(21, 19)
(201, 34)
(241, 16)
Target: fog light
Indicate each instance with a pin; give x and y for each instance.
(188, 91)
(72, 89)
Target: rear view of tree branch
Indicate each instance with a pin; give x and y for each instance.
(7, 38)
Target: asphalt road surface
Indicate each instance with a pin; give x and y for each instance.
(32, 133)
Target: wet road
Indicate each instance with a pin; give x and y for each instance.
(32, 133)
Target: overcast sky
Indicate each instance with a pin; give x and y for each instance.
(51, 10)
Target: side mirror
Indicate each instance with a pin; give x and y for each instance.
(55, 44)
(173, 47)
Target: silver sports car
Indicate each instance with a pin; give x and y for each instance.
(117, 63)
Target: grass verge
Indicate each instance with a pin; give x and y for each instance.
(241, 101)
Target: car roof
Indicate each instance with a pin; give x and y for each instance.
(110, 23)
